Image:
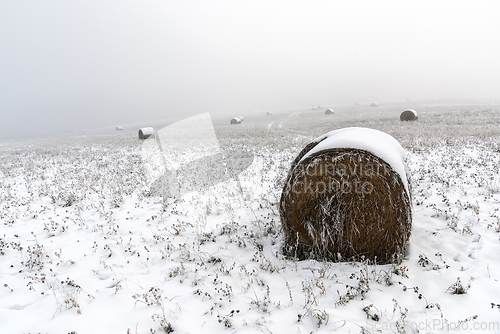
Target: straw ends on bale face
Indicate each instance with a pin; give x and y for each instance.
(344, 204)
(408, 115)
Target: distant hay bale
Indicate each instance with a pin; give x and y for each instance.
(145, 133)
(344, 203)
(236, 120)
(408, 115)
(328, 112)
(118, 128)
(374, 104)
(269, 113)
(357, 104)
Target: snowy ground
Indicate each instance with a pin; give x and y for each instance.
(85, 248)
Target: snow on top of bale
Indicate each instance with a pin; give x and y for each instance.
(376, 142)
(411, 110)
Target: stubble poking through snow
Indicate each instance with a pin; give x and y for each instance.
(85, 248)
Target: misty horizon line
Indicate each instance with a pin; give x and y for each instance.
(237, 112)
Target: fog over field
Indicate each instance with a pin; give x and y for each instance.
(191, 230)
(67, 65)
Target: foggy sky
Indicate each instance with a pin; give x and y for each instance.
(67, 65)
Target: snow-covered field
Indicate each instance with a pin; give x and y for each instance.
(85, 247)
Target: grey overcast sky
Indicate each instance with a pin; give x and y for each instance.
(67, 65)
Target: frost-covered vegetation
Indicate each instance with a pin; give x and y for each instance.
(86, 248)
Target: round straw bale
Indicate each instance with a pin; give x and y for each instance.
(236, 120)
(269, 113)
(118, 128)
(146, 133)
(347, 203)
(408, 115)
(374, 104)
(328, 112)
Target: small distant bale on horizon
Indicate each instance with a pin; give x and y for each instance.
(118, 128)
(408, 115)
(269, 113)
(357, 103)
(145, 133)
(328, 112)
(236, 120)
(374, 104)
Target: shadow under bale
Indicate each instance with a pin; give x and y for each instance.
(344, 204)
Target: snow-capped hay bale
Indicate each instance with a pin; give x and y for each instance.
(269, 113)
(119, 128)
(236, 120)
(347, 196)
(374, 104)
(328, 112)
(146, 133)
(408, 115)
